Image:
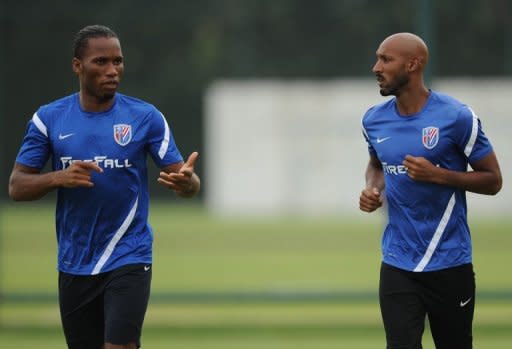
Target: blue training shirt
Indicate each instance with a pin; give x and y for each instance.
(427, 223)
(106, 226)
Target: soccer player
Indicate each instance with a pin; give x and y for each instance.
(420, 144)
(98, 141)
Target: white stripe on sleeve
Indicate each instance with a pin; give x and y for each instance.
(474, 132)
(165, 143)
(117, 236)
(364, 131)
(39, 124)
(437, 235)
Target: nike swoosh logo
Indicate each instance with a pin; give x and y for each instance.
(380, 140)
(147, 267)
(465, 302)
(61, 136)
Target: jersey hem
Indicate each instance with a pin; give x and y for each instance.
(88, 270)
(426, 269)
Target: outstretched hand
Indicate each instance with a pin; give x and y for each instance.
(184, 181)
(78, 174)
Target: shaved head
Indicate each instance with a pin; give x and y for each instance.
(407, 45)
(401, 60)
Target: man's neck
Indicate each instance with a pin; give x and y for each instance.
(95, 104)
(411, 101)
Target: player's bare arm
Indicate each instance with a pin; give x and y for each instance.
(484, 179)
(181, 177)
(28, 183)
(371, 196)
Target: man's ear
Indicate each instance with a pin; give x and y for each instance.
(76, 65)
(414, 64)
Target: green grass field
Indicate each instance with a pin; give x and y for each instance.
(245, 283)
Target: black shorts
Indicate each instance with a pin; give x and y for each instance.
(446, 296)
(108, 307)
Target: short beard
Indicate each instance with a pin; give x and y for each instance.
(107, 96)
(100, 98)
(396, 85)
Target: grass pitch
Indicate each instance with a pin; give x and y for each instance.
(270, 259)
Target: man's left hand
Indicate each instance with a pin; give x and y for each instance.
(184, 181)
(419, 168)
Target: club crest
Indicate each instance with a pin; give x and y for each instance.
(430, 136)
(122, 134)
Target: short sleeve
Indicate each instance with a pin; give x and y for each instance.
(371, 150)
(35, 149)
(160, 141)
(471, 139)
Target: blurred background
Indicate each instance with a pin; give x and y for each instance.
(274, 252)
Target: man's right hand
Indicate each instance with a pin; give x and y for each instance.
(78, 174)
(370, 200)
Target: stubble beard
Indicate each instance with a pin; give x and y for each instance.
(99, 96)
(395, 88)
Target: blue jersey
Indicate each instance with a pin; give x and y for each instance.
(106, 226)
(427, 223)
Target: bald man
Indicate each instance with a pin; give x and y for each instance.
(420, 144)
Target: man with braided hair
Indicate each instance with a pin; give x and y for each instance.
(98, 141)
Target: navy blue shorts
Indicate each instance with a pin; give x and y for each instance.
(446, 296)
(108, 307)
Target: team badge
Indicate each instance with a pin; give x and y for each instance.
(122, 134)
(430, 136)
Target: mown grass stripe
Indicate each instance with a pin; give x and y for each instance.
(250, 297)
